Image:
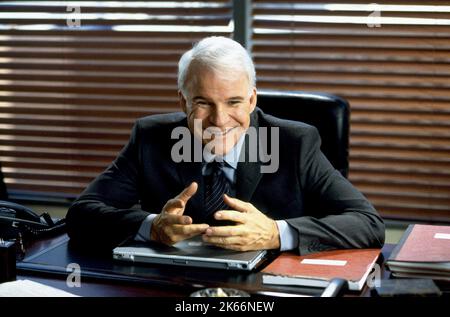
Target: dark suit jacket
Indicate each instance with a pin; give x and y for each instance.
(306, 191)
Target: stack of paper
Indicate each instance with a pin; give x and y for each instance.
(27, 288)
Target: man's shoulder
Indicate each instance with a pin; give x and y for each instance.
(287, 128)
(161, 121)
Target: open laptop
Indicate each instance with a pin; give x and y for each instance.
(191, 252)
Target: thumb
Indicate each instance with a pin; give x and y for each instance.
(176, 205)
(187, 193)
(236, 204)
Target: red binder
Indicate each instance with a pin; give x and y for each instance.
(316, 270)
(423, 252)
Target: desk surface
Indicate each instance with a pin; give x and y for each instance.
(162, 280)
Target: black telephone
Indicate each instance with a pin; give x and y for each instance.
(17, 220)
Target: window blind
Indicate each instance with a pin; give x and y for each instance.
(69, 93)
(74, 75)
(391, 61)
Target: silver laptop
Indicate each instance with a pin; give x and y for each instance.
(192, 252)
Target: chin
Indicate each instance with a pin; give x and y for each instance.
(220, 146)
(222, 152)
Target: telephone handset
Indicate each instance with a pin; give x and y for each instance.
(15, 218)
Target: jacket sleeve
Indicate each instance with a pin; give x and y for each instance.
(104, 213)
(339, 216)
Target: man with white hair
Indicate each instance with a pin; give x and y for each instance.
(304, 204)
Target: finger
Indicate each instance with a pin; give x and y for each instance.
(225, 231)
(171, 219)
(174, 206)
(232, 215)
(189, 230)
(223, 241)
(236, 204)
(188, 192)
(235, 247)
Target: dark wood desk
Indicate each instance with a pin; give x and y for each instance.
(165, 281)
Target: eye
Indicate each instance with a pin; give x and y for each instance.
(234, 102)
(201, 103)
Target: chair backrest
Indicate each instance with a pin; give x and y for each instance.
(3, 192)
(328, 113)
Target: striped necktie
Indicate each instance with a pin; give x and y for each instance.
(216, 185)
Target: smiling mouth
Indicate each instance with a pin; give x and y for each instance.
(219, 133)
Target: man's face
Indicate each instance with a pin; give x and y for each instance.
(223, 104)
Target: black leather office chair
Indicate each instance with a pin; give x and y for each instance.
(328, 113)
(3, 192)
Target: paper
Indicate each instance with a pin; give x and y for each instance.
(27, 288)
(442, 236)
(324, 262)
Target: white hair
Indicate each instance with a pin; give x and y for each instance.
(218, 53)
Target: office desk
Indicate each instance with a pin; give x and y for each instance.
(166, 281)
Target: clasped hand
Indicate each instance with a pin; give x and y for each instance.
(253, 230)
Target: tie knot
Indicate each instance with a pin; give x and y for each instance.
(215, 165)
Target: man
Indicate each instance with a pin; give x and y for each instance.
(303, 204)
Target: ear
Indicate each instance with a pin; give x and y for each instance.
(253, 99)
(182, 101)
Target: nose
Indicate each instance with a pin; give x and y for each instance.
(218, 116)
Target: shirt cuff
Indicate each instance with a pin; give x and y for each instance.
(288, 236)
(144, 231)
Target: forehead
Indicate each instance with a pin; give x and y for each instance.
(205, 80)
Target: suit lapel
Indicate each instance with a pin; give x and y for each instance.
(192, 172)
(189, 172)
(248, 174)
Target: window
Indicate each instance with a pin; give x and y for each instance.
(392, 62)
(70, 88)
(69, 93)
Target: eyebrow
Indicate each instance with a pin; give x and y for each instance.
(199, 97)
(236, 98)
(231, 98)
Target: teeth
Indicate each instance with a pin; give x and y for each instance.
(221, 133)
